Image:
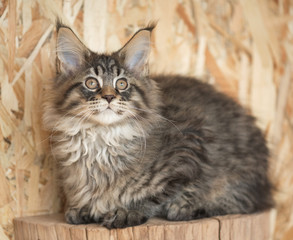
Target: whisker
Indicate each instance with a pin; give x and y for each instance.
(158, 115)
(54, 128)
(140, 128)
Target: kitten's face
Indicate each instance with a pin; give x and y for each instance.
(102, 89)
(104, 93)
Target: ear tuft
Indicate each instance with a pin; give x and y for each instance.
(70, 50)
(136, 51)
(59, 24)
(150, 27)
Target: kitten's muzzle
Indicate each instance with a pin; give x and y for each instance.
(109, 98)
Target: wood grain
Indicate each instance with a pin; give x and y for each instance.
(234, 227)
(244, 48)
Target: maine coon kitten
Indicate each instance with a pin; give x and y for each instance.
(130, 147)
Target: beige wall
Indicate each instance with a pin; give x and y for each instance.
(243, 47)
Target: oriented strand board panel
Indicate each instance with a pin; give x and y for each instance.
(242, 47)
(234, 227)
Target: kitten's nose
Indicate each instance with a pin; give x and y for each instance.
(109, 98)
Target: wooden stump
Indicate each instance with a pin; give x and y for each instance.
(233, 227)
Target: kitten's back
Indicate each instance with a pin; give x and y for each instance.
(226, 138)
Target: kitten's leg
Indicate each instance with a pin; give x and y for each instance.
(122, 218)
(78, 216)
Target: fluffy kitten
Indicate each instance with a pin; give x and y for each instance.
(130, 147)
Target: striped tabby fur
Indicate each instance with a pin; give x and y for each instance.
(130, 147)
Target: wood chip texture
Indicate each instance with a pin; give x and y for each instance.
(242, 47)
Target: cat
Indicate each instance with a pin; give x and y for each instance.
(131, 146)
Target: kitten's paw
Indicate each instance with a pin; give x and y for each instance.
(183, 212)
(77, 216)
(122, 218)
(179, 213)
(186, 214)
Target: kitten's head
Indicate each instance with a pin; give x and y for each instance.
(101, 89)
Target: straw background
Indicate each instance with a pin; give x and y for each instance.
(242, 47)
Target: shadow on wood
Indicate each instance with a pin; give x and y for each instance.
(233, 227)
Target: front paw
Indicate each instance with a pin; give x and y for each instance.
(77, 216)
(122, 218)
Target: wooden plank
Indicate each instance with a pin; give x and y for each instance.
(63, 231)
(33, 231)
(96, 232)
(224, 224)
(141, 232)
(210, 229)
(125, 234)
(27, 232)
(40, 227)
(78, 232)
(260, 226)
(234, 227)
(46, 232)
(156, 232)
(174, 231)
(238, 227)
(192, 231)
(18, 229)
(113, 234)
(241, 228)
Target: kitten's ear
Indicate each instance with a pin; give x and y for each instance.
(70, 50)
(136, 51)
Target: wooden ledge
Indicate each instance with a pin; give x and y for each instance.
(232, 227)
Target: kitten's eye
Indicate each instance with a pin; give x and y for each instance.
(92, 83)
(121, 84)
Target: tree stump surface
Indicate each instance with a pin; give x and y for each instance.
(231, 227)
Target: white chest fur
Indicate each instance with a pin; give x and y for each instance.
(93, 144)
(89, 162)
